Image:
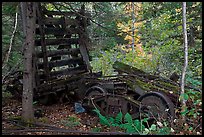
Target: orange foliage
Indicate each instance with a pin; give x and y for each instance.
(127, 29)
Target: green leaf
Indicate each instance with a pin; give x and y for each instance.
(103, 120)
(164, 131)
(129, 128)
(119, 117)
(197, 101)
(145, 132)
(145, 119)
(128, 118)
(153, 127)
(184, 96)
(112, 120)
(190, 128)
(165, 124)
(184, 112)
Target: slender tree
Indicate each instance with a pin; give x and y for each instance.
(11, 40)
(183, 101)
(29, 19)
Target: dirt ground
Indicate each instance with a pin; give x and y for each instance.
(57, 115)
(57, 119)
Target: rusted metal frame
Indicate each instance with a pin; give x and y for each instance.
(43, 45)
(122, 98)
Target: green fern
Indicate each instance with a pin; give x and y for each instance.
(139, 125)
(119, 118)
(130, 126)
(103, 120)
(128, 118)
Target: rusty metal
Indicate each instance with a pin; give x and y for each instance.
(157, 106)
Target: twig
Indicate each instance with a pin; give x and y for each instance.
(71, 8)
(197, 125)
(12, 70)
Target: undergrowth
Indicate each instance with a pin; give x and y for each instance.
(127, 124)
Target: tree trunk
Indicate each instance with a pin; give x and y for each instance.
(29, 19)
(183, 101)
(11, 41)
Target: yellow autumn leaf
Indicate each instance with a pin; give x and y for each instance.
(178, 10)
(120, 25)
(120, 34)
(128, 37)
(138, 24)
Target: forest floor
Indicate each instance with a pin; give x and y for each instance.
(57, 119)
(61, 116)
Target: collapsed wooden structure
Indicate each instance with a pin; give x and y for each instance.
(61, 48)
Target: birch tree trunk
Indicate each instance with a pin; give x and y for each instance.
(29, 19)
(183, 101)
(11, 41)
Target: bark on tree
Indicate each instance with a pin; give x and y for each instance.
(29, 19)
(183, 101)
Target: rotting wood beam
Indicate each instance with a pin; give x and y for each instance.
(59, 52)
(42, 36)
(68, 71)
(58, 63)
(59, 41)
(47, 12)
(60, 21)
(59, 31)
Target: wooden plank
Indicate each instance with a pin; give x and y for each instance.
(60, 21)
(46, 12)
(59, 52)
(66, 72)
(58, 83)
(59, 31)
(58, 63)
(42, 38)
(59, 41)
(70, 71)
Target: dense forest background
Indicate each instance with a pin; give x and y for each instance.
(155, 28)
(157, 36)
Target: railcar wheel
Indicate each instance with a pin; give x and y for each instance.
(91, 93)
(95, 90)
(157, 106)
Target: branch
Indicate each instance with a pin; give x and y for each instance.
(98, 24)
(49, 128)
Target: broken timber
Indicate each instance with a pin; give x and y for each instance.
(61, 48)
(147, 82)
